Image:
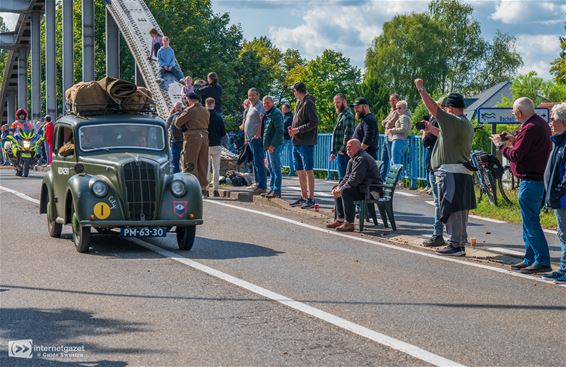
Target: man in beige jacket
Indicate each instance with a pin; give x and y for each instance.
(194, 123)
(388, 123)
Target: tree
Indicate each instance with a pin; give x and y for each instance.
(3, 53)
(410, 46)
(558, 68)
(501, 62)
(539, 90)
(326, 75)
(462, 44)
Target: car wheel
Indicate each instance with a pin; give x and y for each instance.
(186, 237)
(81, 234)
(53, 227)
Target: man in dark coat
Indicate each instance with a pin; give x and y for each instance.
(361, 171)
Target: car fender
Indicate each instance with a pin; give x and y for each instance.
(46, 194)
(87, 205)
(189, 206)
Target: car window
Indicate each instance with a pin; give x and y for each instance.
(121, 136)
(65, 141)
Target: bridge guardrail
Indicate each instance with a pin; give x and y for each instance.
(414, 162)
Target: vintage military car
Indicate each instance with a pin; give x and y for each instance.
(112, 171)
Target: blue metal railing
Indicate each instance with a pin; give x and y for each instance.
(415, 164)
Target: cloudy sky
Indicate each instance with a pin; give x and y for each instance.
(349, 26)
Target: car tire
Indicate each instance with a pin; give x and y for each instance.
(186, 237)
(53, 227)
(81, 234)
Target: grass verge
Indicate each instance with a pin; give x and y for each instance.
(510, 213)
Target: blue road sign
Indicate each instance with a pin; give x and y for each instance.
(505, 115)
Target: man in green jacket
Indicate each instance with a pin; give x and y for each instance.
(343, 132)
(273, 144)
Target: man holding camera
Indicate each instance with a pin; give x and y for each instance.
(450, 162)
(528, 153)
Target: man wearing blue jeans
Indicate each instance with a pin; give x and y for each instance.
(304, 132)
(555, 183)
(254, 137)
(273, 144)
(528, 153)
(388, 123)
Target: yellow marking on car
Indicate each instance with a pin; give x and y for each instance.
(101, 210)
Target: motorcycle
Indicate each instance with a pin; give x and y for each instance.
(22, 150)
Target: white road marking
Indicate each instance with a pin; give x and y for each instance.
(316, 193)
(488, 219)
(19, 194)
(386, 245)
(506, 251)
(551, 231)
(380, 338)
(402, 193)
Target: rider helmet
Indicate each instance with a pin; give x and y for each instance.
(21, 111)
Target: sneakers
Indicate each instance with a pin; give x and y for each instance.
(451, 250)
(554, 275)
(298, 202)
(434, 241)
(519, 266)
(273, 194)
(535, 268)
(560, 279)
(258, 191)
(216, 194)
(346, 227)
(308, 204)
(252, 187)
(266, 193)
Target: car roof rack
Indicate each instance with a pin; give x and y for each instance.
(94, 109)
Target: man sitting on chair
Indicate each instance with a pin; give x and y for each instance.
(361, 172)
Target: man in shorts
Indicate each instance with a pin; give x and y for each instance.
(303, 132)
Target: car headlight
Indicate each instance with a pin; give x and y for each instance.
(178, 188)
(99, 189)
(27, 144)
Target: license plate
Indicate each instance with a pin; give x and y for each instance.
(143, 232)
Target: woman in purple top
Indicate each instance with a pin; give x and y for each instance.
(156, 43)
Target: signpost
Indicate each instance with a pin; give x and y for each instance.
(495, 116)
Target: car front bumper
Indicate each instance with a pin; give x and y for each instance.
(137, 223)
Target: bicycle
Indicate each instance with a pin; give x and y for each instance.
(488, 174)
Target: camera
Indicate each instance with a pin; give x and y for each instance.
(421, 125)
(503, 136)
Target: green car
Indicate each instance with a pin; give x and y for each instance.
(112, 171)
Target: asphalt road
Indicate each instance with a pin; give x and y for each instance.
(257, 290)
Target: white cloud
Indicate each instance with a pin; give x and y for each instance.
(513, 11)
(348, 28)
(537, 51)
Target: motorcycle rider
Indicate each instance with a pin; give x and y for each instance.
(21, 121)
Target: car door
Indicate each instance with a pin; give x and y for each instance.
(63, 163)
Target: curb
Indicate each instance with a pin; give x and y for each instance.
(36, 168)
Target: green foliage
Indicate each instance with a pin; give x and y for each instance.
(3, 53)
(558, 68)
(539, 90)
(326, 75)
(444, 47)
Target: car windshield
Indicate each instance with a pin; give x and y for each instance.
(121, 136)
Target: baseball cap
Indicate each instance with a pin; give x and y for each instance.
(360, 101)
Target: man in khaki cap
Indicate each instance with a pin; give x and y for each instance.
(194, 123)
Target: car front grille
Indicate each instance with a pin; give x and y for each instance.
(141, 187)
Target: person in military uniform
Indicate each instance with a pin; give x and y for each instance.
(194, 123)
